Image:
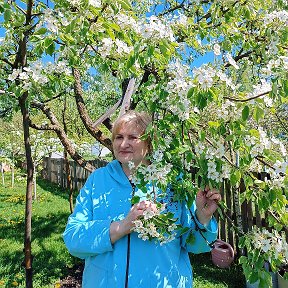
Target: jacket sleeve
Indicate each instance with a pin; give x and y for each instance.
(209, 231)
(84, 236)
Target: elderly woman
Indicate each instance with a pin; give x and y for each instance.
(100, 230)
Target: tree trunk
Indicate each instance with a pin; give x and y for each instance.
(12, 172)
(69, 182)
(66, 161)
(34, 184)
(2, 173)
(29, 190)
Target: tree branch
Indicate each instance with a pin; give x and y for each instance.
(95, 132)
(247, 99)
(61, 135)
(7, 62)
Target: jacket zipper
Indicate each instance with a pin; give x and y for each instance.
(127, 262)
(128, 247)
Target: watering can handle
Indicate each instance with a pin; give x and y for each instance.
(229, 246)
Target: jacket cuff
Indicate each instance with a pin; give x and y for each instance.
(102, 242)
(211, 226)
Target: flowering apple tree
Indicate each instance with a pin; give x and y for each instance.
(213, 74)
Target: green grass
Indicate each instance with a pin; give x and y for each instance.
(50, 213)
(51, 259)
(207, 275)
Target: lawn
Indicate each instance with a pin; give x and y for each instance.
(51, 260)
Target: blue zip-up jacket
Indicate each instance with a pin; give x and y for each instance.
(104, 198)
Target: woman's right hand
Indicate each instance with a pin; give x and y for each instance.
(121, 228)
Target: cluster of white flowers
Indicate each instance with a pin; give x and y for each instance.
(147, 230)
(36, 73)
(215, 152)
(281, 63)
(212, 172)
(49, 20)
(74, 2)
(223, 77)
(110, 46)
(126, 21)
(228, 110)
(280, 167)
(262, 88)
(95, 3)
(277, 174)
(60, 67)
(157, 155)
(154, 172)
(215, 175)
(178, 87)
(272, 244)
(204, 75)
(180, 19)
(157, 29)
(263, 143)
(276, 17)
(211, 154)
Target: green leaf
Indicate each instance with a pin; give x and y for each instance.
(258, 113)
(190, 200)
(130, 61)
(7, 15)
(201, 135)
(191, 92)
(191, 238)
(201, 100)
(50, 49)
(235, 177)
(125, 4)
(285, 88)
(183, 230)
(41, 31)
(214, 124)
(135, 200)
(254, 132)
(245, 113)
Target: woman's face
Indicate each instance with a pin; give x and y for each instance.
(128, 146)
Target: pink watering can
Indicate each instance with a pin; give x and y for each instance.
(222, 254)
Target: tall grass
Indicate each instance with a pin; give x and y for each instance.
(51, 260)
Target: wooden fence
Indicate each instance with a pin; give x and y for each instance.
(248, 213)
(54, 171)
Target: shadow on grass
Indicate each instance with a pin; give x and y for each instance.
(55, 189)
(204, 269)
(50, 257)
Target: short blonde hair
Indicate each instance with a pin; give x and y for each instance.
(140, 119)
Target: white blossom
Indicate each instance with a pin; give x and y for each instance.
(122, 47)
(199, 148)
(157, 29)
(204, 75)
(276, 17)
(217, 49)
(280, 167)
(95, 3)
(107, 45)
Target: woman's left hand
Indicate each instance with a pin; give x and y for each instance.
(207, 203)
